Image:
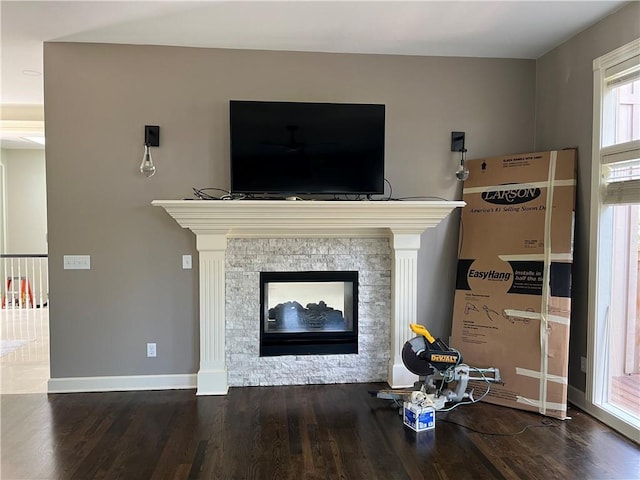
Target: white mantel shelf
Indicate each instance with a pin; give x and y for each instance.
(307, 218)
(213, 221)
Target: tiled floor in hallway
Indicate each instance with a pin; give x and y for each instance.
(24, 350)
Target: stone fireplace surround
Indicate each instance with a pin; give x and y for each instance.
(229, 233)
(247, 257)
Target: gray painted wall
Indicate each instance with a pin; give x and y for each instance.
(26, 203)
(564, 118)
(98, 99)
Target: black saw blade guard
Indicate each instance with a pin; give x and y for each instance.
(412, 359)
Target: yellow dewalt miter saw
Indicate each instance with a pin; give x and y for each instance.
(444, 379)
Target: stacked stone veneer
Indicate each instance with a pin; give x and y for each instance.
(247, 257)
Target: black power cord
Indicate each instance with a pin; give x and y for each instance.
(545, 423)
(201, 194)
(423, 197)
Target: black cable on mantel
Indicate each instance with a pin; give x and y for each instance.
(426, 197)
(202, 194)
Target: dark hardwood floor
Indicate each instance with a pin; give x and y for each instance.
(299, 432)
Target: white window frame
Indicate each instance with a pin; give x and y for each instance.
(3, 209)
(616, 418)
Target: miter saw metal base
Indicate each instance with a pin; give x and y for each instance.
(409, 395)
(446, 389)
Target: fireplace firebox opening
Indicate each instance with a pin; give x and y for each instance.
(308, 313)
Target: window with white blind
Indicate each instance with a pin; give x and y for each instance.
(620, 127)
(614, 290)
(621, 172)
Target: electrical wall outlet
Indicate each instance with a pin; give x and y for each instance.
(151, 349)
(186, 262)
(76, 262)
(583, 364)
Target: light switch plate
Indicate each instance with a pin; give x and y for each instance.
(186, 262)
(77, 262)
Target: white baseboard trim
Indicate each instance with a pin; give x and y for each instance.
(121, 383)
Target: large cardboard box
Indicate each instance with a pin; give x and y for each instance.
(513, 291)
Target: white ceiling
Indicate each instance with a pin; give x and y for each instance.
(503, 29)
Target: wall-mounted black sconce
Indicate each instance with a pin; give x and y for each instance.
(151, 139)
(457, 145)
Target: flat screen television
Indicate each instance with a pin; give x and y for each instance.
(289, 148)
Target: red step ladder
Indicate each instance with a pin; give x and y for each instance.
(19, 295)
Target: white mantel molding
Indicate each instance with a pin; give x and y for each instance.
(306, 218)
(214, 220)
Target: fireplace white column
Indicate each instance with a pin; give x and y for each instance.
(212, 376)
(213, 221)
(404, 305)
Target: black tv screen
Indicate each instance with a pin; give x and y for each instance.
(306, 148)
